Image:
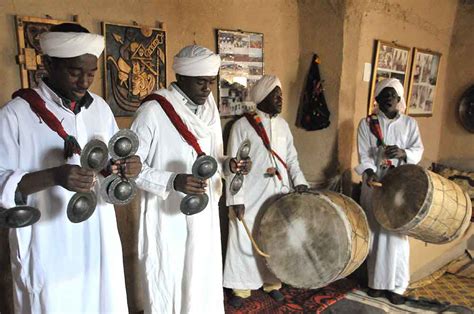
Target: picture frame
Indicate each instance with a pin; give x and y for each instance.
(28, 29)
(242, 66)
(134, 65)
(423, 82)
(391, 61)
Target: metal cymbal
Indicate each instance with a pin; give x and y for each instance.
(192, 204)
(466, 110)
(122, 191)
(81, 206)
(104, 187)
(236, 183)
(244, 150)
(123, 144)
(204, 167)
(18, 216)
(94, 156)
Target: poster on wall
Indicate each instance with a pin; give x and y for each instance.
(424, 78)
(29, 51)
(391, 61)
(242, 65)
(134, 65)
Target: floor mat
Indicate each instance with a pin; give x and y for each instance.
(359, 302)
(296, 300)
(449, 288)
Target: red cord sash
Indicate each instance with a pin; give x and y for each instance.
(376, 130)
(257, 125)
(374, 126)
(38, 106)
(176, 121)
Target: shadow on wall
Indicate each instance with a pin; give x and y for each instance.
(128, 222)
(6, 289)
(223, 209)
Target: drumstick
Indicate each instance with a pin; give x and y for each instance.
(376, 184)
(254, 244)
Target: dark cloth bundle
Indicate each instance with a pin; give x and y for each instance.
(313, 113)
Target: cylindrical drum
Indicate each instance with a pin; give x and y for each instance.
(422, 204)
(313, 239)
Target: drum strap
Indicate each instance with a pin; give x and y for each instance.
(257, 125)
(176, 121)
(38, 106)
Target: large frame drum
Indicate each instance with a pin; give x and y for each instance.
(313, 238)
(422, 204)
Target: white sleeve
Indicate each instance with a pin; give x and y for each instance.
(236, 137)
(156, 181)
(294, 169)
(366, 161)
(414, 148)
(10, 174)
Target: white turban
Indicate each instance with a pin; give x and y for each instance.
(196, 61)
(263, 87)
(70, 44)
(395, 83)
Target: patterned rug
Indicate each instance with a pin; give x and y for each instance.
(449, 288)
(296, 300)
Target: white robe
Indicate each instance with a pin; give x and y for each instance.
(245, 269)
(59, 266)
(388, 260)
(180, 255)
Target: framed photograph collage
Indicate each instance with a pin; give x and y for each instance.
(242, 65)
(417, 70)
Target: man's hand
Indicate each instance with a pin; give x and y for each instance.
(371, 177)
(131, 166)
(74, 178)
(393, 151)
(239, 210)
(301, 188)
(188, 184)
(243, 166)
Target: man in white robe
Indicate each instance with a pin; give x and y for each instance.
(244, 269)
(388, 260)
(59, 266)
(180, 255)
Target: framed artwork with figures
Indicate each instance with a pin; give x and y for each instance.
(423, 82)
(29, 51)
(134, 65)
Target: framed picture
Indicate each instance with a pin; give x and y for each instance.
(424, 77)
(391, 61)
(242, 65)
(29, 51)
(134, 65)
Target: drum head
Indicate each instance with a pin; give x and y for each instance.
(236, 184)
(244, 150)
(402, 195)
(193, 204)
(308, 240)
(204, 167)
(94, 156)
(81, 206)
(122, 192)
(123, 144)
(19, 216)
